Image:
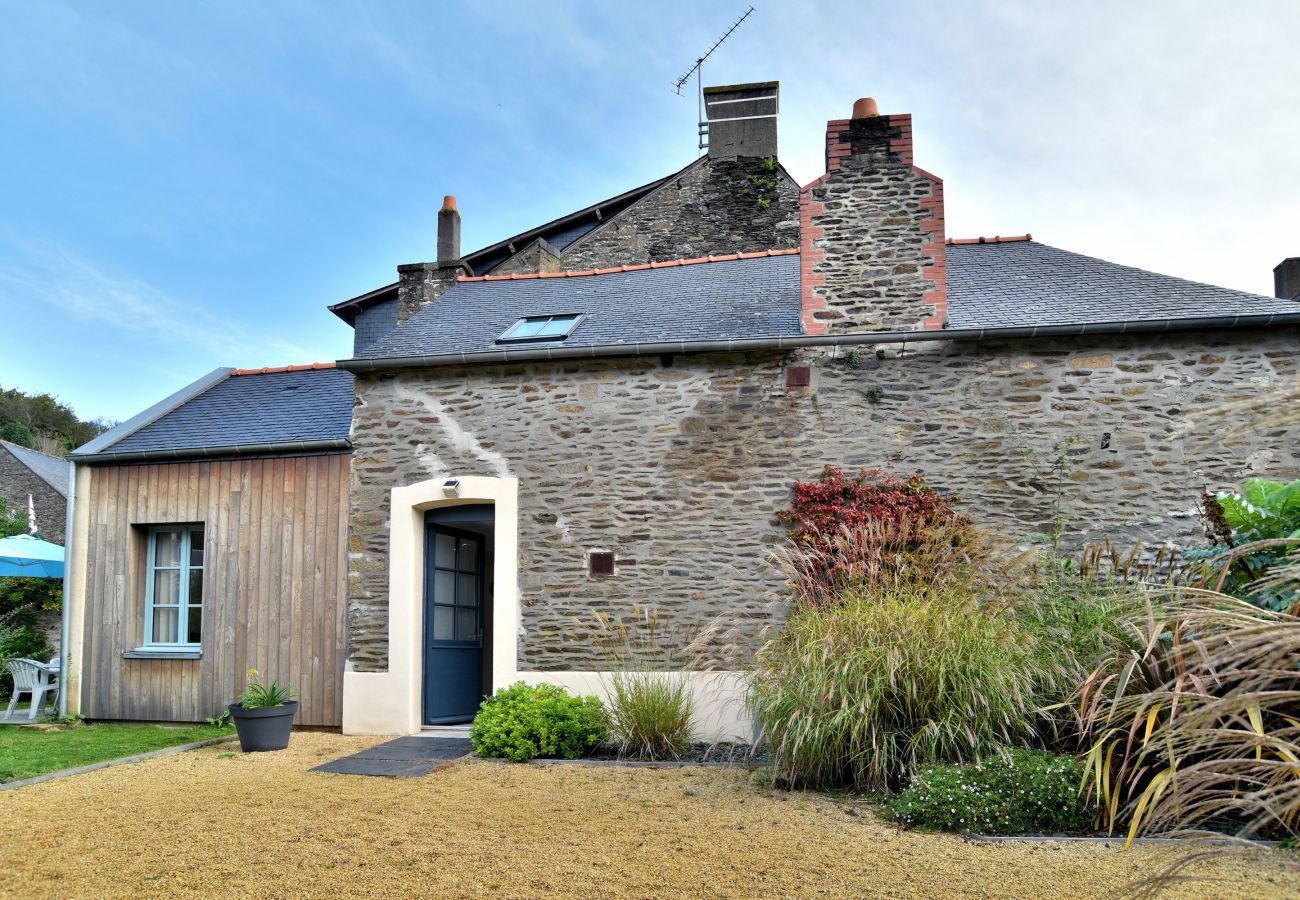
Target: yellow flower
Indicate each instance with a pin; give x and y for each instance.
(252, 673)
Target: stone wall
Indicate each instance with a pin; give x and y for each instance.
(17, 482)
(717, 207)
(680, 469)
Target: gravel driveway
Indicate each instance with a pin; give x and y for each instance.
(214, 821)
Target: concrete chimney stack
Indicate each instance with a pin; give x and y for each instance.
(742, 119)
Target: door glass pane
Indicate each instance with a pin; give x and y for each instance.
(166, 587)
(195, 632)
(167, 548)
(442, 623)
(444, 587)
(468, 556)
(466, 623)
(196, 586)
(467, 595)
(445, 551)
(196, 548)
(165, 621)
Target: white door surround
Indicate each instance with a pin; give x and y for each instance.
(390, 702)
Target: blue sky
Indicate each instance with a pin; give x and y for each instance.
(188, 185)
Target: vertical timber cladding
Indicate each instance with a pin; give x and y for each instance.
(274, 588)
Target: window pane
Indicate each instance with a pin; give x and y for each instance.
(196, 548)
(468, 556)
(165, 622)
(167, 548)
(556, 326)
(466, 624)
(442, 623)
(444, 587)
(195, 632)
(444, 552)
(166, 587)
(196, 587)
(528, 328)
(467, 595)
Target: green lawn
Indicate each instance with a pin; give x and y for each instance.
(26, 752)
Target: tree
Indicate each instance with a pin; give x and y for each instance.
(11, 523)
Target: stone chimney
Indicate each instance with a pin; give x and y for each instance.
(1286, 279)
(872, 232)
(742, 119)
(419, 284)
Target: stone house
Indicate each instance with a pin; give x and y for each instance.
(605, 414)
(35, 484)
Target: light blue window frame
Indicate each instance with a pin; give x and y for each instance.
(551, 327)
(186, 605)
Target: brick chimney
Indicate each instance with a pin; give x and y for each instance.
(419, 284)
(1286, 279)
(872, 232)
(742, 119)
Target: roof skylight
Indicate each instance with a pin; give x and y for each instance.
(542, 328)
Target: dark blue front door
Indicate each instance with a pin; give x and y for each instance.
(453, 624)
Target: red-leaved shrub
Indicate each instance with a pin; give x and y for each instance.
(854, 528)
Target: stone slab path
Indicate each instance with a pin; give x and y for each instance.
(402, 757)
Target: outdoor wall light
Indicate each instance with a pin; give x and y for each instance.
(451, 487)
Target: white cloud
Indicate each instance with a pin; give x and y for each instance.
(53, 277)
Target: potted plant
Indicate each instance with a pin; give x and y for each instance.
(263, 715)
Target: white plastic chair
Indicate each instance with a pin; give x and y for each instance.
(31, 677)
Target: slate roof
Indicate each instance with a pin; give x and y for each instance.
(1024, 282)
(751, 297)
(559, 233)
(50, 469)
(272, 408)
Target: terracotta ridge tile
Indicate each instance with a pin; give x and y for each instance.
(271, 370)
(996, 239)
(633, 268)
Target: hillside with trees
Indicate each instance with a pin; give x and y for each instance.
(41, 422)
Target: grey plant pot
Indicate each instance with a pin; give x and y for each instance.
(265, 727)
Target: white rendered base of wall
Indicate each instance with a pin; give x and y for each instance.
(390, 702)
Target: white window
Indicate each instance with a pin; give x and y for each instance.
(542, 328)
(173, 615)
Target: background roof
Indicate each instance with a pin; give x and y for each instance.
(734, 298)
(50, 469)
(1028, 283)
(272, 408)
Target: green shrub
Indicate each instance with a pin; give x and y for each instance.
(858, 693)
(1017, 792)
(650, 714)
(522, 722)
(19, 638)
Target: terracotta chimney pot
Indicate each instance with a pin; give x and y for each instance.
(865, 108)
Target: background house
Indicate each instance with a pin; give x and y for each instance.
(32, 481)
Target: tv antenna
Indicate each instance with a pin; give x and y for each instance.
(697, 71)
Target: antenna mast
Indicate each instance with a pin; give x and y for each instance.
(697, 70)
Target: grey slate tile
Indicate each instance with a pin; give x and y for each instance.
(1028, 283)
(739, 298)
(306, 405)
(52, 470)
